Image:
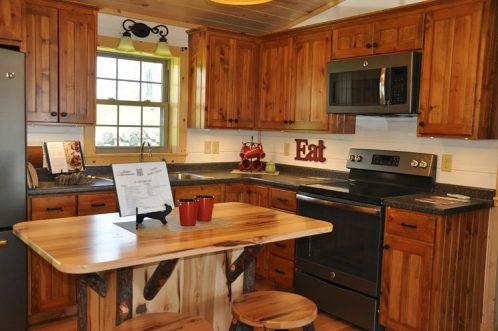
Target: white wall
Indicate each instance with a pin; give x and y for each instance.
(474, 162)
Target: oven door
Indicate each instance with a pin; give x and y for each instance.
(349, 256)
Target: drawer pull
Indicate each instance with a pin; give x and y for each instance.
(3, 243)
(411, 226)
(55, 209)
(280, 245)
(96, 205)
(282, 199)
(278, 271)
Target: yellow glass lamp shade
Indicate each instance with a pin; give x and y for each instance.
(126, 43)
(241, 2)
(162, 48)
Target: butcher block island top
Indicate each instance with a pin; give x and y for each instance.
(88, 244)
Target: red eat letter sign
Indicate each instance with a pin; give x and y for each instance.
(309, 152)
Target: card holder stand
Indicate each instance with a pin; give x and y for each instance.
(156, 215)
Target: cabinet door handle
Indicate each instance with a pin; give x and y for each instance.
(63, 114)
(53, 114)
(230, 120)
(421, 124)
(278, 271)
(411, 226)
(236, 120)
(386, 246)
(368, 45)
(96, 205)
(3, 243)
(375, 45)
(55, 209)
(282, 199)
(280, 245)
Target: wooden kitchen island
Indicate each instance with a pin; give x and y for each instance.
(124, 272)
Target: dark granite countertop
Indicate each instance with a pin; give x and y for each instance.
(290, 177)
(442, 204)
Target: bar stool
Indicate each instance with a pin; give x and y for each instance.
(165, 322)
(273, 310)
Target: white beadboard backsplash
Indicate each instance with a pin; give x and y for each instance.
(474, 162)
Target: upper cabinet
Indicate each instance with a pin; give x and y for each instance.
(293, 84)
(11, 22)
(60, 62)
(222, 78)
(456, 94)
(396, 34)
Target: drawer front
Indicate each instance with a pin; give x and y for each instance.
(411, 224)
(283, 249)
(281, 271)
(53, 207)
(186, 192)
(97, 203)
(283, 199)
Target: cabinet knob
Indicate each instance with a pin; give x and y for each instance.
(63, 114)
(54, 113)
(375, 45)
(286, 122)
(368, 45)
(230, 120)
(421, 124)
(386, 246)
(291, 122)
(236, 120)
(10, 75)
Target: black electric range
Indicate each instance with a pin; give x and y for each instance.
(340, 271)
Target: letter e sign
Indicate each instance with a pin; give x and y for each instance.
(309, 152)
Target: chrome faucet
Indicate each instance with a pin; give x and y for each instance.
(149, 150)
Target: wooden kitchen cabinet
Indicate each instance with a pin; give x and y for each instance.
(395, 34)
(456, 88)
(190, 192)
(11, 22)
(223, 74)
(430, 262)
(283, 199)
(52, 294)
(293, 84)
(274, 88)
(60, 62)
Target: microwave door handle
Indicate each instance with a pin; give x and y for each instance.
(382, 86)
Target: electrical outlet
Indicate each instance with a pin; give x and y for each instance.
(216, 147)
(207, 147)
(286, 149)
(446, 162)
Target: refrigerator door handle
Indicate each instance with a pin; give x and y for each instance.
(3, 243)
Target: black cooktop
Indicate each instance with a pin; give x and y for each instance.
(360, 191)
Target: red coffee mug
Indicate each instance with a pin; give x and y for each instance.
(205, 207)
(188, 211)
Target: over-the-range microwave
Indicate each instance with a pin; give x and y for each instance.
(383, 84)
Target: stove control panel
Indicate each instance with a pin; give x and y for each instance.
(410, 163)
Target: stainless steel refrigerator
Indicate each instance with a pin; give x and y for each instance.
(13, 261)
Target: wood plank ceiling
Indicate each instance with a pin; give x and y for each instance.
(259, 19)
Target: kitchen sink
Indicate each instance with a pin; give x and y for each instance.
(186, 176)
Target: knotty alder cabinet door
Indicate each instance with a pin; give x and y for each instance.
(11, 22)
(60, 62)
(429, 263)
(456, 82)
(223, 73)
(396, 34)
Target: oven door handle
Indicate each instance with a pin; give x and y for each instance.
(340, 205)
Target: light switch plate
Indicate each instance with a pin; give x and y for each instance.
(286, 149)
(215, 147)
(446, 162)
(207, 147)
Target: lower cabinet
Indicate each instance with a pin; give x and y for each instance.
(433, 270)
(52, 294)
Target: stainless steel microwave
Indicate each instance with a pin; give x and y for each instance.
(383, 84)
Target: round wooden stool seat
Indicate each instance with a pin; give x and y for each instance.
(274, 310)
(165, 322)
